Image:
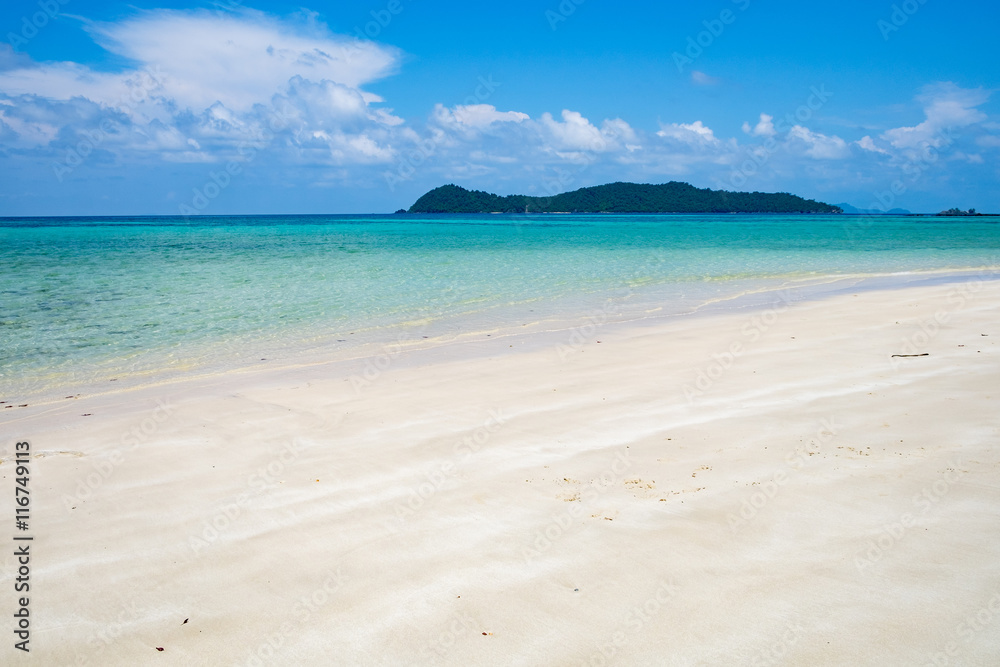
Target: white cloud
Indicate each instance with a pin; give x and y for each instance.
(202, 58)
(817, 145)
(484, 115)
(702, 79)
(764, 127)
(322, 105)
(946, 106)
(868, 144)
(64, 81)
(695, 133)
(483, 156)
(27, 132)
(240, 59)
(575, 133)
(353, 148)
(206, 82)
(621, 134)
(476, 116)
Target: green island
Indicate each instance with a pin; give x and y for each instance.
(673, 197)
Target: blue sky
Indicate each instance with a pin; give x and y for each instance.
(157, 107)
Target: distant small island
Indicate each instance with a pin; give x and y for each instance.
(853, 210)
(959, 212)
(673, 197)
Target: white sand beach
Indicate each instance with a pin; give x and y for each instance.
(743, 488)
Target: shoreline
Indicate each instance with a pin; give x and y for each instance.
(634, 306)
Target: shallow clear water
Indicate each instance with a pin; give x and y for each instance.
(83, 300)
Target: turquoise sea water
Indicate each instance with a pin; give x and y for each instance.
(85, 300)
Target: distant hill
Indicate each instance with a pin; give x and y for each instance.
(851, 210)
(673, 197)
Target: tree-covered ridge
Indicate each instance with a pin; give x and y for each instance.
(673, 197)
